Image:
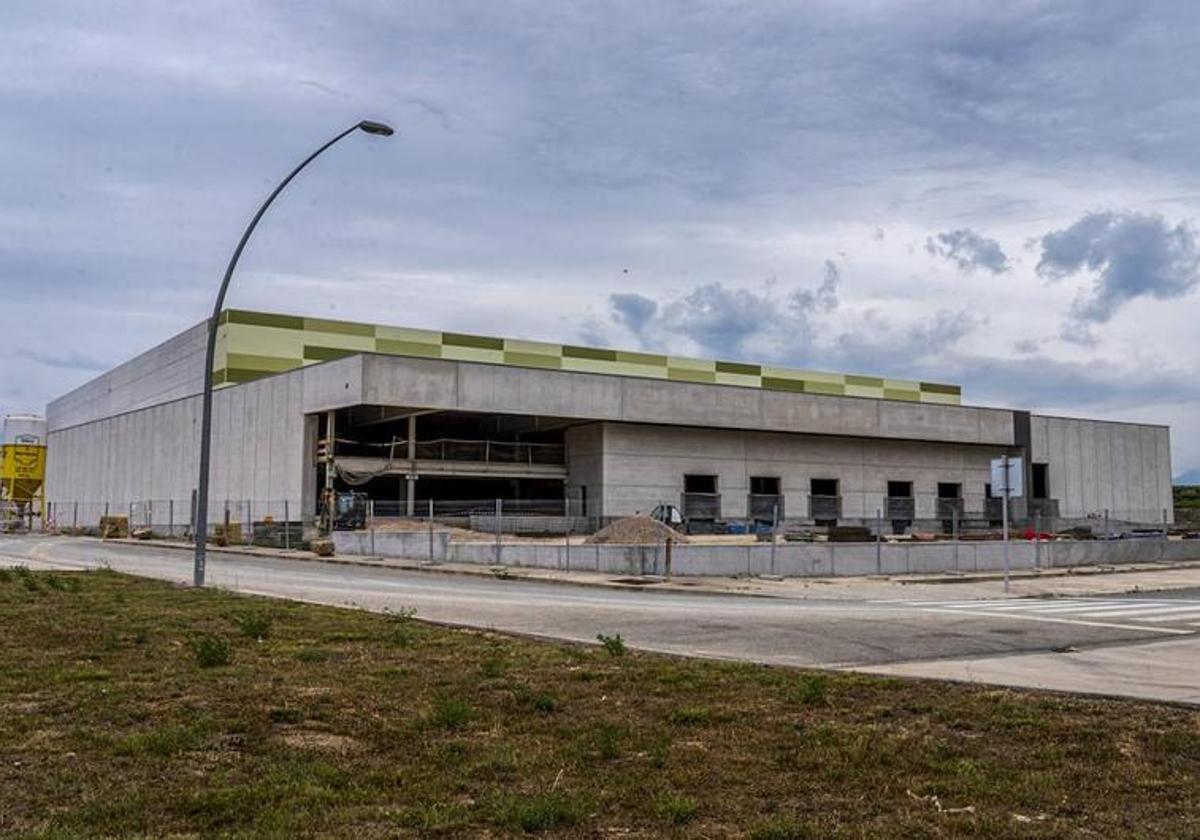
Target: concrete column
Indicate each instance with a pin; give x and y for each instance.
(411, 478)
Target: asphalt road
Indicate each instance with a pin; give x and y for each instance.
(1135, 646)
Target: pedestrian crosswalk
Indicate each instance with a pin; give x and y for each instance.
(1164, 615)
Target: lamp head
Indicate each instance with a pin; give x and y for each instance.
(371, 127)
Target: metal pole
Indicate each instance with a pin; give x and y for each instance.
(75, 517)
(287, 526)
(774, 529)
(499, 511)
(371, 517)
(210, 351)
(170, 517)
(567, 541)
(1004, 506)
(1107, 535)
(1037, 541)
(954, 533)
(879, 541)
(431, 529)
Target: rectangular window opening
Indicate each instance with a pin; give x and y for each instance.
(1041, 482)
(764, 485)
(824, 487)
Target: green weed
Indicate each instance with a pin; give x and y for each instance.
(211, 651)
(253, 625)
(677, 809)
(541, 812)
(615, 645)
(781, 828)
(449, 712)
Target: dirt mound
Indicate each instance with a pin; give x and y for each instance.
(636, 530)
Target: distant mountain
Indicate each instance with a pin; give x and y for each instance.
(1191, 477)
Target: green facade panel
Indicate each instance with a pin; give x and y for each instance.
(251, 345)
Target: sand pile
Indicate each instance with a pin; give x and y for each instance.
(636, 530)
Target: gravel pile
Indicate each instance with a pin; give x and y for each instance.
(636, 530)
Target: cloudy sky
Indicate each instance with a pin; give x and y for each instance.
(1002, 195)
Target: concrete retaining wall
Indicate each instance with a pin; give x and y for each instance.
(788, 560)
(408, 544)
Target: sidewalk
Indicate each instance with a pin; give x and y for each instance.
(1074, 582)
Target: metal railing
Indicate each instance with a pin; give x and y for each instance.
(824, 507)
(460, 449)
(765, 507)
(701, 505)
(949, 509)
(900, 507)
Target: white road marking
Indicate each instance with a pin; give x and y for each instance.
(1049, 618)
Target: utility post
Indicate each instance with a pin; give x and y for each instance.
(1007, 475)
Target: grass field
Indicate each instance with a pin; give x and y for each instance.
(136, 708)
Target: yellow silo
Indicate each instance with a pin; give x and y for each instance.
(22, 470)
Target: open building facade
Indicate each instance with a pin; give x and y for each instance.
(413, 417)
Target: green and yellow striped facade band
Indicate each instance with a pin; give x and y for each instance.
(251, 345)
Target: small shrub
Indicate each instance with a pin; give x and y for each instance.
(286, 714)
(658, 751)
(314, 654)
(677, 809)
(403, 631)
(438, 818)
(6, 575)
(541, 812)
(449, 712)
(27, 578)
(606, 740)
(211, 651)
(810, 689)
(493, 667)
(544, 703)
(781, 828)
(691, 715)
(615, 645)
(254, 625)
(165, 741)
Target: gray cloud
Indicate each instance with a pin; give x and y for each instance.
(969, 250)
(632, 310)
(1132, 255)
(729, 322)
(822, 299)
(68, 361)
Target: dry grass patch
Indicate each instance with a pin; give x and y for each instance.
(323, 722)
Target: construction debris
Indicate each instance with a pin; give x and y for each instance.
(636, 530)
(114, 527)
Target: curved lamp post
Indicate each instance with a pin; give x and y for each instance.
(201, 518)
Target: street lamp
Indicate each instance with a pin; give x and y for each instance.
(210, 352)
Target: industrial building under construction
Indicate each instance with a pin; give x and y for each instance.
(412, 417)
